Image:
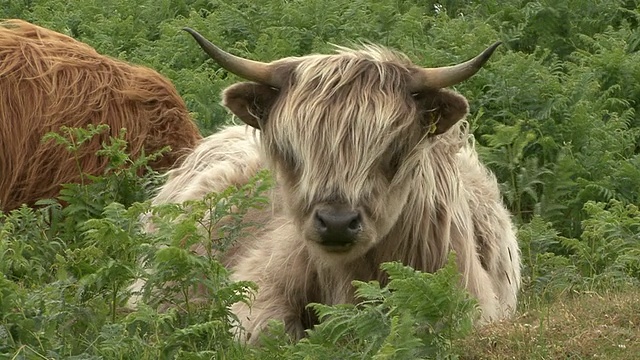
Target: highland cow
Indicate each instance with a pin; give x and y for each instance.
(372, 162)
(49, 80)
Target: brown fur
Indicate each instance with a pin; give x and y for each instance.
(345, 130)
(48, 80)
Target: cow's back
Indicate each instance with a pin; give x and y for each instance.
(230, 157)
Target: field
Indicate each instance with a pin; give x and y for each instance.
(554, 115)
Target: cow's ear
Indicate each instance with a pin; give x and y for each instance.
(251, 102)
(441, 109)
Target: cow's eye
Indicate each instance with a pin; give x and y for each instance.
(393, 165)
(396, 161)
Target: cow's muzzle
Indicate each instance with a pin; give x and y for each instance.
(337, 227)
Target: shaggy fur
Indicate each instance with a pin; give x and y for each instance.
(345, 130)
(48, 80)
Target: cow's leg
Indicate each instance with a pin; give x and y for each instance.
(279, 265)
(255, 318)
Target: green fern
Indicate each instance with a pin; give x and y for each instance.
(415, 316)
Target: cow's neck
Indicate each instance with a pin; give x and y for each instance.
(421, 237)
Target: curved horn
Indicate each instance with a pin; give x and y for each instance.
(437, 78)
(248, 69)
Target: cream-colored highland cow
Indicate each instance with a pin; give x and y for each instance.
(373, 164)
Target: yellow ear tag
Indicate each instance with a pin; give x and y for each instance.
(432, 127)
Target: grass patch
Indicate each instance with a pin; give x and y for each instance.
(588, 325)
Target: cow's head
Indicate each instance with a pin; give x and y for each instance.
(343, 133)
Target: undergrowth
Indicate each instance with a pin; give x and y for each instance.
(554, 115)
(67, 270)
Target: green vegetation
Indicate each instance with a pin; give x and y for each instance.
(554, 114)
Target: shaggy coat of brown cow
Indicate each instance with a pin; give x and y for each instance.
(373, 164)
(49, 80)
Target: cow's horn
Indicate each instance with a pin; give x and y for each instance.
(437, 78)
(248, 69)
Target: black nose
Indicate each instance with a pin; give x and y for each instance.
(338, 227)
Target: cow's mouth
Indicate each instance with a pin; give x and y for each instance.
(336, 247)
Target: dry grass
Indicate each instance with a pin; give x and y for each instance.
(585, 326)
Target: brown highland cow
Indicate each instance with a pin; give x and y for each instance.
(373, 163)
(49, 80)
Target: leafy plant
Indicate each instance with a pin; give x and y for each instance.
(554, 114)
(415, 316)
(608, 254)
